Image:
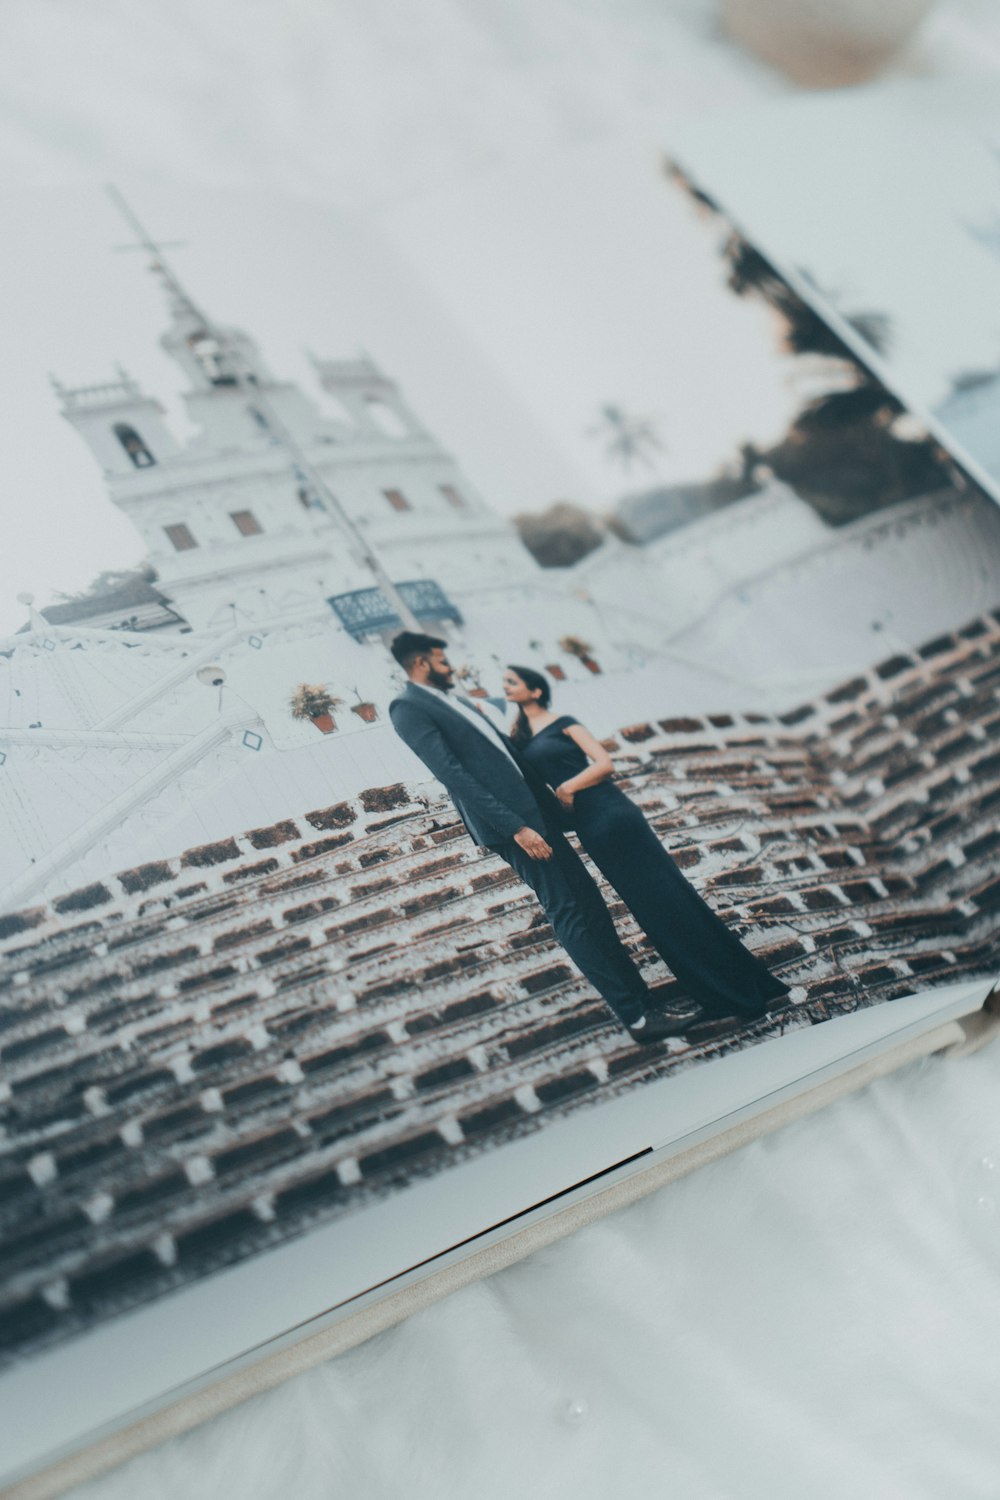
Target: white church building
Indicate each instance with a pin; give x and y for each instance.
(291, 538)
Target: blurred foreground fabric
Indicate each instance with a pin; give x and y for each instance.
(817, 1315)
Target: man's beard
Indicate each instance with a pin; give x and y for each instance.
(442, 680)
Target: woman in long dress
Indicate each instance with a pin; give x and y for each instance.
(708, 960)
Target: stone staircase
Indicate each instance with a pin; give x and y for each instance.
(207, 1055)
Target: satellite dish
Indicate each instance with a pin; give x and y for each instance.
(211, 676)
(27, 599)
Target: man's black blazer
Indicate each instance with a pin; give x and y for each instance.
(490, 795)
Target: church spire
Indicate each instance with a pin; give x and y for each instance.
(210, 361)
(225, 358)
(182, 305)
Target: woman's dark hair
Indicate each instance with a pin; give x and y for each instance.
(535, 682)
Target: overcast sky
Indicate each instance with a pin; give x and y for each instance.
(531, 298)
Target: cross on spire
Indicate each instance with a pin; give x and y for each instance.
(179, 294)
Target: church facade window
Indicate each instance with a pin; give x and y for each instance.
(453, 496)
(134, 446)
(246, 522)
(397, 499)
(181, 537)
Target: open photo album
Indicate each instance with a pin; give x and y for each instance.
(500, 701)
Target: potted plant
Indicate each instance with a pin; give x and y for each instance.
(581, 649)
(364, 709)
(314, 701)
(555, 671)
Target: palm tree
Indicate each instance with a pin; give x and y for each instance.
(628, 439)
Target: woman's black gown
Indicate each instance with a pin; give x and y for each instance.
(708, 960)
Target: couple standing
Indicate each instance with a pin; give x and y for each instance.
(516, 793)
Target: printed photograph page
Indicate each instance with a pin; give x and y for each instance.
(884, 205)
(462, 673)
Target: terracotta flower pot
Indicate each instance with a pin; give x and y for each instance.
(324, 723)
(478, 692)
(366, 711)
(591, 664)
(556, 671)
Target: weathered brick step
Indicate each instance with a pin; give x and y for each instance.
(159, 1181)
(102, 1062)
(891, 763)
(941, 721)
(510, 931)
(279, 950)
(889, 837)
(799, 822)
(689, 782)
(351, 934)
(402, 954)
(170, 951)
(697, 805)
(412, 857)
(967, 940)
(964, 752)
(162, 1079)
(961, 806)
(55, 1034)
(571, 1085)
(431, 1072)
(903, 832)
(754, 775)
(285, 864)
(221, 1050)
(144, 1080)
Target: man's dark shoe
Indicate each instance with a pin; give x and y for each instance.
(669, 999)
(657, 1027)
(714, 1028)
(745, 1017)
(715, 1023)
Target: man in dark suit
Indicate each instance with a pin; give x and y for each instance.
(506, 808)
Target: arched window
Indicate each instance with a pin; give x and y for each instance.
(134, 446)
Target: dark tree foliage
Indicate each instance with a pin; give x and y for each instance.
(847, 470)
(560, 536)
(862, 403)
(114, 581)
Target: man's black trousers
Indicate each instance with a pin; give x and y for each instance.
(582, 923)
